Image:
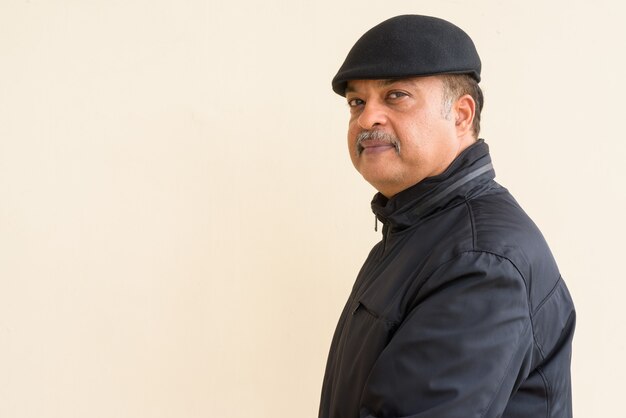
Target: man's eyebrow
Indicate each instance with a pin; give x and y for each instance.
(349, 89)
(382, 83)
(390, 81)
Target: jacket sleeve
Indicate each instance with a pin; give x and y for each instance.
(463, 348)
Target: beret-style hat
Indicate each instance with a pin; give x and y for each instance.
(409, 46)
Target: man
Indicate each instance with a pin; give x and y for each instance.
(460, 310)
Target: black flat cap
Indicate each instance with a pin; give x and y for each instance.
(409, 46)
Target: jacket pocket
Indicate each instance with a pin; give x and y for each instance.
(360, 307)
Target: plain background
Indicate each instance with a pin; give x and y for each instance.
(180, 223)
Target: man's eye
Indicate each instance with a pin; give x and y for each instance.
(355, 102)
(396, 94)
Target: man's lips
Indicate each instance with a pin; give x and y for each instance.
(373, 147)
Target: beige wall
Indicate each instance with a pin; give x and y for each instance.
(179, 220)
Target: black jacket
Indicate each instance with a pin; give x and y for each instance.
(460, 310)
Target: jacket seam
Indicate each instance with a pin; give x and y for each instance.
(508, 366)
(496, 255)
(549, 295)
(546, 385)
(461, 253)
(541, 305)
(472, 225)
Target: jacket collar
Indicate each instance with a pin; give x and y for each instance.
(466, 176)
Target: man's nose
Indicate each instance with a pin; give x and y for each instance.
(373, 114)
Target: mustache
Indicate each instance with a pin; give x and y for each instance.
(378, 136)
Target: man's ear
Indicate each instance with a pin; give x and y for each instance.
(464, 111)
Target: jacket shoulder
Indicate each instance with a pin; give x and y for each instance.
(500, 226)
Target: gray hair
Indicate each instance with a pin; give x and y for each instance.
(457, 85)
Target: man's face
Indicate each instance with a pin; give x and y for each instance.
(406, 135)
